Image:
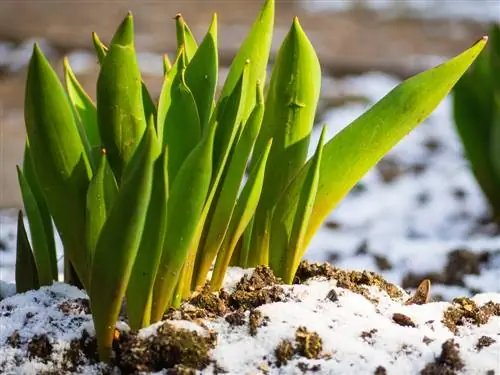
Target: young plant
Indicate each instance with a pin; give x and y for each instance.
(146, 196)
(476, 106)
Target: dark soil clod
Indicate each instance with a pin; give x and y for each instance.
(403, 320)
(484, 342)
(170, 348)
(40, 346)
(448, 363)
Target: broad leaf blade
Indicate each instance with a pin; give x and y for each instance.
(58, 156)
(287, 240)
(243, 213)
(201, 74)
(290, 110)
(29, 174)
(26, 272)
(186, 201)
(255, 48)
(178, 120)
(357, 148)
(119, 242)
(227, 128)
(101, 195)
(120, 110)
(224, 206)
(140, 289)
(84, 106)
(475, 114)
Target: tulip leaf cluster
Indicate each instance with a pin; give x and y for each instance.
(147, 195)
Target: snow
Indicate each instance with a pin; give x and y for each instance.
(340, 325)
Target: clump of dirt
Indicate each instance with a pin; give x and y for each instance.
(256, 320)
(403, 320)
(260, 288)
(380, 370)
(76, 306)
(307, 344)
(169, 348)
(236, 318)
(484, 342)
(465, 311)
(81, 351)
(448, 362)
(209, 301)
(368, 335)
(40, 346)
(461, 262)
(355, 281)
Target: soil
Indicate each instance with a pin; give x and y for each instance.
(184, 351)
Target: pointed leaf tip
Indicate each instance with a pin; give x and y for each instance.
(124, 36)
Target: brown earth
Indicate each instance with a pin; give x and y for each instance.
(347, 43)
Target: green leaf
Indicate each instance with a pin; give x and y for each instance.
(226, 202)
(289, 117)
(255, 48)
(119, 242)
(201, 74)
(147, 101)
(101, 195)
(58, 157)
(140, 289)
(187, 196)
(178, 120)
(26, 273)
(227, 128)
(286, 241)
(85, 110)
(29, 174)
(100, 49)
(477, 118)
(243, 213)
(357, 148)
(185, 38)
(41, 253)
(120, 110)
(167, 65)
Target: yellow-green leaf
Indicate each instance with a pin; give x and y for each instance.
(289, 117)
(120, 110)
(140, 289)
(243, 213)
(119, 242)
(58, 157)
(187, 196)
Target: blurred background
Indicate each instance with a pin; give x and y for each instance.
(351, 37)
